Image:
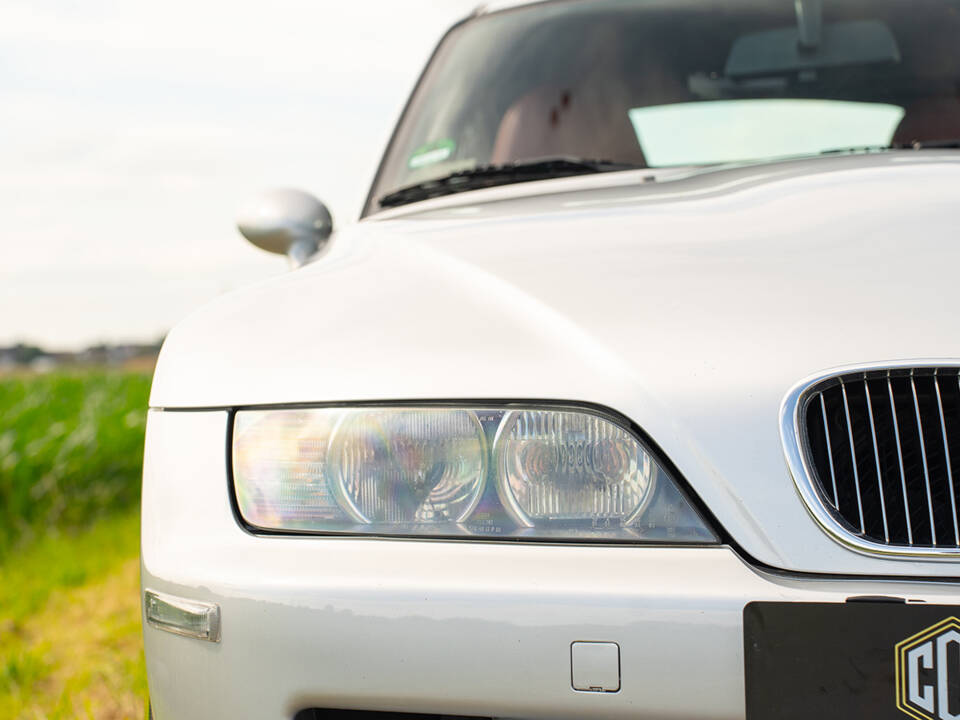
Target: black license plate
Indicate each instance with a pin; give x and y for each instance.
(852, 660)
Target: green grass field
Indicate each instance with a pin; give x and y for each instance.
(71, 448)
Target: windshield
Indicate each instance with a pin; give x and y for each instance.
(659, 83)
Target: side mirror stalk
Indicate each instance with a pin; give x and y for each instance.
(301, 250)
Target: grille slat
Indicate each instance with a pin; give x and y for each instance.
(903, 477)
(826, 434)
(881, 446)
(946, 455)
(923, 459)
(876, 458)
(853, 455)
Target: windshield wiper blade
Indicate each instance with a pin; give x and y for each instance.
(856, 149)
(486, 176)
(916, 145)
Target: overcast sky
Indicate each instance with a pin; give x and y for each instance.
(131, 131)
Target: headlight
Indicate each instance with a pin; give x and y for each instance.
(542, 473)
(417, 466)
(562, 466)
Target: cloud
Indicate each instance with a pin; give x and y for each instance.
(132, 131)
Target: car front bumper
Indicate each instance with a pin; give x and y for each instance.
(455, 628)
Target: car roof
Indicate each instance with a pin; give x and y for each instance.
(496, 5)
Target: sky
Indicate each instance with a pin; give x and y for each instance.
(131, 132)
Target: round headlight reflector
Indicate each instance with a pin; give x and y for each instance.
(417, 465)
(569, 466)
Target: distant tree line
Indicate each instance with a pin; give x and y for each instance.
(34, 356)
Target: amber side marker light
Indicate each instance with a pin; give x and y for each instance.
(190, 618)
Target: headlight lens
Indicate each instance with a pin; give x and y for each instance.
(540, 473)
(407, 466)
(562, 466)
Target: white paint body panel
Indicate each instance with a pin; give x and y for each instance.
(436, 626)
(691, 306)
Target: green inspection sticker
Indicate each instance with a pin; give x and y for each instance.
(431, 153)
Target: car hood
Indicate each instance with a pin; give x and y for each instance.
(691, 306)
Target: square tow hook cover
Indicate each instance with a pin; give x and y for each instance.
(595, 666)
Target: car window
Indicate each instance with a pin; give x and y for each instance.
(655, 82)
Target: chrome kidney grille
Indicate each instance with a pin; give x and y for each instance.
(881, 448)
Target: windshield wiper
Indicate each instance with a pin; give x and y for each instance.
(493, 175)
(916, 145)
(857, 149)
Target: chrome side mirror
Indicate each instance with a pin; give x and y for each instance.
(286, 222)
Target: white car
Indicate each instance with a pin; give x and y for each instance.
(633, 394)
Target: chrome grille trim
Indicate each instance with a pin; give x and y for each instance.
(840, 510)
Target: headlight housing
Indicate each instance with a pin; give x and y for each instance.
(511, 472)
